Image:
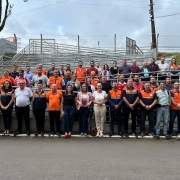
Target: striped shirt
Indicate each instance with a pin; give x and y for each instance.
(163, 97)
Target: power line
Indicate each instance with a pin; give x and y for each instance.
(168, 15)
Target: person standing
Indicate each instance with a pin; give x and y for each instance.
(29, 75)
(39, 107)
(20, 78)
(80, 72)
(134, 68)
(148, 100)
(98, 67)
(162, 109)
(124, 69)
(131, 97)
(69, 104)
(6, 77)
(23, 97)
(74, 83)
(168, 85)
(84, 100)
(99, 100)
(105, 85)
(154, 68)
(114, 70)
(92, 68)
(67, 77)
(106, 72)
(145, 72)
(163, 68)
(40, 66)
(115, 102)
(14, 72)
(138, 85)
(94, 79)
(51, 71)
(55, 100)
(175, 109)
(121, 84)
(6, 105)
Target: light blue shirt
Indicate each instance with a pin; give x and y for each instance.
(29, 75)
(163, 97)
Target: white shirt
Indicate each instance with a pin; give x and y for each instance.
(163, 67)
(99, 97)
(22, 96)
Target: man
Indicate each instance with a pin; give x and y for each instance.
(6, 77)
(148, 100)
(115, 102)
(56, 80)
(153, 84)
(92, 68)
(67, 77)
(61, 70)
(130, 97)
(14, 72)
(68, 67)
(124, 69)
(98, 67)
(23, 97)
(163, 67)
(134, 67)
(40, 77)
(51, 71)
(40, 66)
(121, 84)
(80, 72)
(39, 107)
(138, 85)
(29, 75)
(162, 109)
(94, 79)
(21, 78)
(153, 67)
(55, 100)
(175, 109)
(105, 85)
(168, 85)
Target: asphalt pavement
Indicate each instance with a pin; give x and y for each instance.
(27, 158)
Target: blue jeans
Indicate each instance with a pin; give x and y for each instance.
(68, 118)
(118, 114)
(83, 123)
(173, 115)
(162, 112)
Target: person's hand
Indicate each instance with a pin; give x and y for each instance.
(131, 106)
(116, 106)
(148, 107)
(62, 113)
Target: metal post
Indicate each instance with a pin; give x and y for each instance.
(98, 47)
(157, 48)
(78, 46)
(41, 44)
(115, 43)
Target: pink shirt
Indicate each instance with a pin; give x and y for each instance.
(18, 79)
(80, 100)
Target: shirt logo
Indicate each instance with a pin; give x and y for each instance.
(150, 94)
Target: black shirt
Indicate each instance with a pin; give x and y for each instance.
(114, 71)
(106, 87)
(14, 74)
(69, 100)
(6, 97)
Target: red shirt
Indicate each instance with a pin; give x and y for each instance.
(139, 87)
(89, 70)
(121, 86)
(135, 69)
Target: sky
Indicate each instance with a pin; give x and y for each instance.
(93, 21)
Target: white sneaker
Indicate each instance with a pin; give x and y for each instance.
(101, 134)
(97, 135)
(178, 136)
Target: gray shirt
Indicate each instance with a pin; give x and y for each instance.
(124, 70)
(37, 78)
(164, 97)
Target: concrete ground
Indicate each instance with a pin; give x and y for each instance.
(30, 158)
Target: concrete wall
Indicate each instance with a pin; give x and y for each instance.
(7, 47)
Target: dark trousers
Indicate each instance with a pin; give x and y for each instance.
(133, 117)
(39, 116)
(7, 117)
(68, 118)
(150, 115)
(115, 113)
(173, 115)
(83, 123)
(54, 116)
(20, 113)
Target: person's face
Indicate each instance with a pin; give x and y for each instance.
(114, 85)
(21, 85)
(147, 87)
(92, 64)
(69, 88)
(54, 87)
(145, 64)
(173, 61)
(105, 67)
(55, 73)
(162, 86)
(103, 79)
(97, 64)
(176, 85)
(136, 78)
(68, 66)
(88, 81)
(14, 68)
(93, 74)
(168, 80)
(130, 83)
(99, 87)
(68, 74)
(114, 64)
(74, 77)
(21, 74)
(6, 84)
(153, 61)
(27, 69)
(83, 87)
(134, 62)
(39, 66)
(80, 64)
(121, 78)
(53, 66)
(124, 62)
(162, 60)
(39, 86)
(61, 67)
(39, 71)
(153, 80)
(6, 73)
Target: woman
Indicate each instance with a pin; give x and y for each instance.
(114, 69)
(145, 72)
(69, 103)
(84, 100)
(174, 69)
(99, 100)
(90, 87)
(106, 72)
(74, 83)
(6, 105)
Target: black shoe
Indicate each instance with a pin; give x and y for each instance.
(42, 134)
(151, 134)
(16, 133)
(126, 135)
(167, 136)
(111, 133)
(51, 133)
(134, 134)
(36, 134)
(28, 133)
(142, 134)
(119, 133)
(59, 135)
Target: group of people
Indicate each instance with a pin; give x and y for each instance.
(66, 90)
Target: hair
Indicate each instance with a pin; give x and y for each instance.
(27, 66)
(10, 86)
(66, 91)
(21, 70)
(92, 62)
(86, 87)
(175, 61)
(80, 61)
(15, 65)
(107, 67)
(168, 77)
(67, 64)
(114, 61)
(153, 59)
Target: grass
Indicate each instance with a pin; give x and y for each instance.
(168, 54)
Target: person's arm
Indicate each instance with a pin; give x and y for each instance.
(27, 82)
(90, 99)
(120, 102)
(78, 100)
(1, 103)
(172, 101)
(62, 107)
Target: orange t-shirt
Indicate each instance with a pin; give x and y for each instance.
(54, 100)
(57, 81)
(43, 72)
(176, 96)
(3, 79)
(80, 74)
(94, 82)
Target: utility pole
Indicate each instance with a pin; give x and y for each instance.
(153, 30)
(115, 43)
